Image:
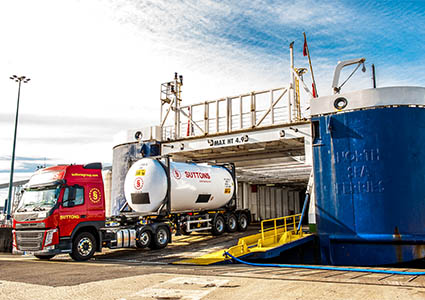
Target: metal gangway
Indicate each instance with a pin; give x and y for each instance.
(275, 236)
(226, 115)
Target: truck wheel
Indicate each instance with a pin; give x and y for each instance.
(45, 257)
(160, 238)
(219, 225)
(243, 222)
(83, 246)
(231, 223)
(144, 238)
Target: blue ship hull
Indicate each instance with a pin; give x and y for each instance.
(369, 170)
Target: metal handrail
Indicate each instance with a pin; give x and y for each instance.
(288, 221)
(229, 114)
(288, 230)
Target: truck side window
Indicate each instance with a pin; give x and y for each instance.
(73, 196)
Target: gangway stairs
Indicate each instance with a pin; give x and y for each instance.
(275, 236)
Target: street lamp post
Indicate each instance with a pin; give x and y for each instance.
(19, 80)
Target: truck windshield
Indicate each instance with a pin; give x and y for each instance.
(37, 199)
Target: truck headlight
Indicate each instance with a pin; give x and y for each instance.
(49, 236)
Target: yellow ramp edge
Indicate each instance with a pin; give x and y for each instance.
(283, 231)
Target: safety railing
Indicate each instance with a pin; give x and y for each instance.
(226, 115)
(273, 233)
(288, 223)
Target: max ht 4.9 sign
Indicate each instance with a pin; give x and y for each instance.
(228, 141)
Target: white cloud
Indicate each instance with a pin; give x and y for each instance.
(104, 60)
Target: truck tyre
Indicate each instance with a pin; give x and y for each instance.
(231, 222)
(45, 257)
(83, 246)
(243, 222)
(219, 225)
(144, 238)
(160, 237)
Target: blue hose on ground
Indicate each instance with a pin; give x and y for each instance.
(325, 268)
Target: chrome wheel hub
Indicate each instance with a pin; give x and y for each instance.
(162, 236)
(232, 223)
(244, 222)
(85, 246)
(144, 238)
(219, 225)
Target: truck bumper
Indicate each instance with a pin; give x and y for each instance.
(34, 242)
(49, 250)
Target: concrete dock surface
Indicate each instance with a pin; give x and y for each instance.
(146, 274)
(29, 278)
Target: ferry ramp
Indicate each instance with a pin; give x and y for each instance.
(275, 237)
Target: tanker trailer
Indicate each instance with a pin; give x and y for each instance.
(194, 197)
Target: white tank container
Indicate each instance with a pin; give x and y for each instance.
(193, 187)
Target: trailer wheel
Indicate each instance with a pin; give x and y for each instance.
(45, 257)
(144, 238)
(160, 238)
(243, 222)
(219, 225)
(231, 222)
(83, 246)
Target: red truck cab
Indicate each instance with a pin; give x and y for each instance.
(61, 211)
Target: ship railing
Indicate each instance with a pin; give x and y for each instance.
(230, 114)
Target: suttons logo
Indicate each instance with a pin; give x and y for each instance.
(138, 183)
(95, 195)
(69, 217)
(177, 175)
(200, 175)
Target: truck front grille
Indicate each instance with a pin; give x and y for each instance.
(22, 217)
(29, 225)
(29, 240)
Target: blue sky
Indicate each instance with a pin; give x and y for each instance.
(96, 66)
